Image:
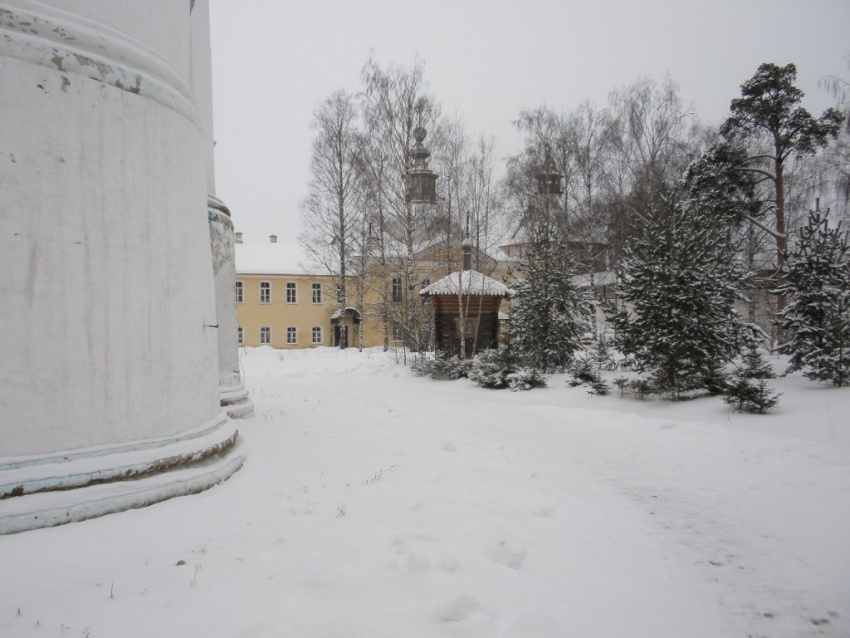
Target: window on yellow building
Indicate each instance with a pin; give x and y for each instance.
(291, 335)
(265, 335)
(239, 292)
(397, 296)
(291, 296)
(317, 293)
(317, 334)
(398, 331)
(239, 335)
(265, 292)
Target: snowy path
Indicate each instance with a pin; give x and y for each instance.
(377, 504)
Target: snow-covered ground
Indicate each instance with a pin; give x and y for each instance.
(377, 504)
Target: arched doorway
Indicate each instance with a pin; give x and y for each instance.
(344, 327)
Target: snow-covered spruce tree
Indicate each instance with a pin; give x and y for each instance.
(548, 313)
(747, 387)
(678, 283)
(816, 320)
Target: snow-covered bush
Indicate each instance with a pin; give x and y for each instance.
(500, 368)
(490, 368)
(526, 379)
(421, 366)
(642, 388)
(586, 371)
(622, 384)
(443, 367)
(582, 371)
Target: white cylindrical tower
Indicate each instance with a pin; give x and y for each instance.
(109, 364)
(233, 394)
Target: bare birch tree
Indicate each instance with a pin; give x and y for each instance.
(331, 209)
(654, 139)
(395, 102)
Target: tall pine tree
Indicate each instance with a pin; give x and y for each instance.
(770, 110)
(817, 317)
(678, 283)
(548, 313)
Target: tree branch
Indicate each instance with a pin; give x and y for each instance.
(769, 231)
(758, 171)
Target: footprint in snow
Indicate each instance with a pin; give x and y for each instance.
(332, 630)
(458, 609)
(540, 625)
(545, 512)
(509, 554)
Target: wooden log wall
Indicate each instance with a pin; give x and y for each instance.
(484, 309)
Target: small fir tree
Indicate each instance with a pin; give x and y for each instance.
(548, 313)
(587, 371)
(491, 368)
(604, 353)
(816, 320)
(678, 284)
(747, 387)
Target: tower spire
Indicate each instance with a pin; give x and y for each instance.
(466, 246)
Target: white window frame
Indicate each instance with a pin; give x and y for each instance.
(240, 291)
(267, 287)
(291, 335)
(240, 336)
(317, 331)
(268, 331)
(292, 287)
(316, 289)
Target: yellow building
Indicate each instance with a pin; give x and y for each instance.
(280, 303)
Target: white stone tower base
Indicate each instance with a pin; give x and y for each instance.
(49, 490)
(234, 397)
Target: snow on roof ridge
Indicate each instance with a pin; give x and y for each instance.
(474, 283)
(266, 258)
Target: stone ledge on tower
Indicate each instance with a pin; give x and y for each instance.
(234, 397)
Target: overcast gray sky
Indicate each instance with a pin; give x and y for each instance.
(275, 60)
